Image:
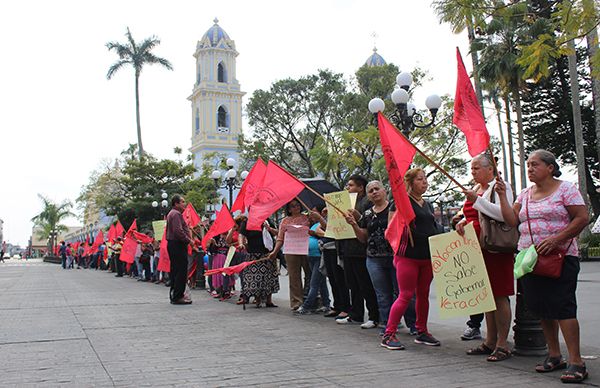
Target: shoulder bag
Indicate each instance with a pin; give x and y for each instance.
(497, 236)
(549, 265)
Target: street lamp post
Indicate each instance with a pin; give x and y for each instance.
(163, 204)
(230, 179)
(406, 117)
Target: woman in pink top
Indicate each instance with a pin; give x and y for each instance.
(557, 214)
(295, 263)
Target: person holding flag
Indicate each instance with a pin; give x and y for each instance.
(413, 266)
(499, 266)
(178, 237)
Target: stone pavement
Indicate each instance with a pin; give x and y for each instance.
(87, 328)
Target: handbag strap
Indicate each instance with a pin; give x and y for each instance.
(529, 223)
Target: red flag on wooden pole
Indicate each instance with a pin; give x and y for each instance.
(467, 112)
(164, 262)
(398, 154)
(111, 237)
(277, 188)
(252, 182)
(190, 216)
(99, 240)
(130, 245)
(222, 224)
(119, 230)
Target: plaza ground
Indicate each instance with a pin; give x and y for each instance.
(87, 328)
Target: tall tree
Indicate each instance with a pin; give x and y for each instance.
(461, 15)
(137, 55)
(49, 219)
(499, 50)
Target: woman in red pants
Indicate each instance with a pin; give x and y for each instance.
(413, 267)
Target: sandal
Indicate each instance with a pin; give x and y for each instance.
(551, 364)
(500, 354)
(574, 374)
(481, 350)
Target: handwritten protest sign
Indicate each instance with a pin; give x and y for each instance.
(337, 227)
(296, 240)
(230, 254)
(461, 280)
(158, 227)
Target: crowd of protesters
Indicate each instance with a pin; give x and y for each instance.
(365, 271)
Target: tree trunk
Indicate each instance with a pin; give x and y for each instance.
(498, 108)
(475, 60)
(577, 124)
(137, 116)
(517, 96)
(592, 46)
(511, 150)
(593, 195)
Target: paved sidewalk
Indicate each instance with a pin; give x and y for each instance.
(87, 328)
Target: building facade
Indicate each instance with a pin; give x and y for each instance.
(216, 99)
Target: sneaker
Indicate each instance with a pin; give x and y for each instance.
(427, 339)
(343, 321)
(331, 314)
(302, 311)
(323, 309)
(368, 325)
(391, 342)
(413, 331)
(471, 333)
(382, 331)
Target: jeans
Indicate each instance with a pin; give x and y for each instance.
(383, 276)
(318, 283)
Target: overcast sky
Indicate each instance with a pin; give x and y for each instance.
(60, 117)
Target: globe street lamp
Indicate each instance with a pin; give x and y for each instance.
(230, 179)
(406, 117)
(164, 203)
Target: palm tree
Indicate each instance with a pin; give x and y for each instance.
(494, 96)
(498, 65)
(461, 15)
(48, 221)
(136, 55)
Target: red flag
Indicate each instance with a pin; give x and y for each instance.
(128, 250)
(277, 188)
(111, 237)
(230, 270)
(164, 262)
(130, 245)
(190, 216)
(119, 230)
(222, 224)
(141, 237)
(253, 180)
(467, 112)
(398, 153)
(98, 241)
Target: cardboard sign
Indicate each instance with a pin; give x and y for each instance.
(159, 228)
(295, 241)
(337, 227)
(461, 279)
(230, 254)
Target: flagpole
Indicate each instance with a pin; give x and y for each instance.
(433, 163)
(313, 191)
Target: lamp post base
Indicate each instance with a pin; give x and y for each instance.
(528, 334)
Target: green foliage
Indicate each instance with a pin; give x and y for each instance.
(49, 219)
(320, 125)
(128, 191)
